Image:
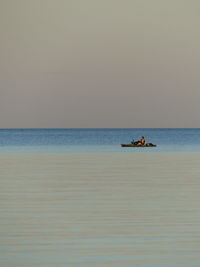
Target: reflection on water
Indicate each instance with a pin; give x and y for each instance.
(100, 210)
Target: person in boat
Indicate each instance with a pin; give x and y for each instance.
(141, 142)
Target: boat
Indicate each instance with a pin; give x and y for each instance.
(132, 145)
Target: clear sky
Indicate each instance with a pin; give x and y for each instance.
(99, 63)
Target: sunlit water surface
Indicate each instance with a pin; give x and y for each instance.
(100, 210)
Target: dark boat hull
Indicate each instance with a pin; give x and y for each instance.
(131, 145)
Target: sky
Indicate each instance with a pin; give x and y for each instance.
(99, 63)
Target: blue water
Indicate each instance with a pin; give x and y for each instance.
(96, 140)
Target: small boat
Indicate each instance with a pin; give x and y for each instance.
(132, 145)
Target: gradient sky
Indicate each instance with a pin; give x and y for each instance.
(105, 63)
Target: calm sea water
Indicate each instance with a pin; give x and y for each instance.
(96, 140)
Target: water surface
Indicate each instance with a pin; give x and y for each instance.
(100, 210)
(77, 141)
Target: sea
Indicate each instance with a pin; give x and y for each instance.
(81, 141)
(85, 210)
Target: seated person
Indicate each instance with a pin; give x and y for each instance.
(141, 142)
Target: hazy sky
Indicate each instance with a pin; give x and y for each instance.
(99, 63)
